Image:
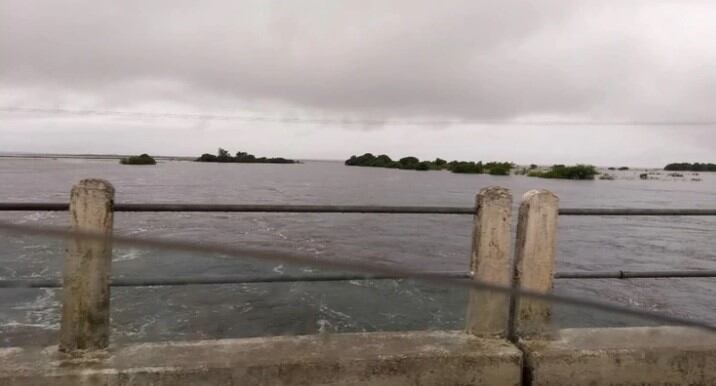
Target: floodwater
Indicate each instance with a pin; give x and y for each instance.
(425, 242)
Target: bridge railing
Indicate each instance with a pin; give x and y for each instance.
(87, 278)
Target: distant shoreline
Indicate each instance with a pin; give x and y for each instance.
(120, 156)
(90, 156)
(190, 158)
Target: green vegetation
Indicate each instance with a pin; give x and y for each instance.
(143, 159)
(223, 155)
(409, 163)
(578, 172)
(466, 167)
(623, 168)
(687, 167)
(499, 168)
(413, 163)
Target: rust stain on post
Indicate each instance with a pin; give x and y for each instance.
(85, 308)
(488, 311)
(534, 261)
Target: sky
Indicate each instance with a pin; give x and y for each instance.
(624, 82)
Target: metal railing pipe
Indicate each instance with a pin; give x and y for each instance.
(270, 208)
(294, 278)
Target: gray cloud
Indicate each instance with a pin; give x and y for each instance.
(601, 60)
(466, 58)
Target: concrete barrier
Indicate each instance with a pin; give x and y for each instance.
(412, 358)
(622, 356)
(603, 356)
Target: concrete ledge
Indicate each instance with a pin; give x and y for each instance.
(623, 356)
(414, 358)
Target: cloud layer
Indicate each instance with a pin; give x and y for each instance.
(495, 60)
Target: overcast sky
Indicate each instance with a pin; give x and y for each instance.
(326, 79)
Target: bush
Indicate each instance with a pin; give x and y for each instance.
(222, 155)
(143, 159)
(409, 163)
(206, 157)
(425, 165)
(578, 172)
(499, 168)
(381, 161)
(366, 159)
(467, 167)
(244, 157)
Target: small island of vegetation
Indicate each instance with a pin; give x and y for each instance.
(577, 172)
(143, 159)
(688, 167)
(223, 155)
(413, 163)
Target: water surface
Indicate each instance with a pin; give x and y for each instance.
(426, 242)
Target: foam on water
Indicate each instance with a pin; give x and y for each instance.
(128, 255)
(43, 312)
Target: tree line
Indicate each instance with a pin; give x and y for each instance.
(576, 172)
(413, 163)
(223, 155)
(689, 167)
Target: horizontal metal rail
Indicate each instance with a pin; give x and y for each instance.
(291, 278)
(636, 212)
(635, 274)
(54, 206)
(224, 279)
(249, 208)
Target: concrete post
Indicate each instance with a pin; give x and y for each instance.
(85, 308)
(488, 311)
(534, 262)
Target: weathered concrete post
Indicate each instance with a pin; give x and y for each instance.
(488, 311)
(535, 249)
(85, 308)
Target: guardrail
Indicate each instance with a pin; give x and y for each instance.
(289, 278)
(454, 210)
(87, 275)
